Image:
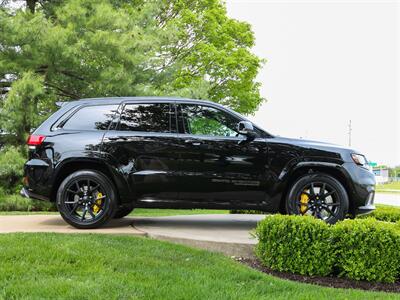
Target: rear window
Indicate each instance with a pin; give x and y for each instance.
(97, 117)
(146, 117)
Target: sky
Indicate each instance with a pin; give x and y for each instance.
(329, 62)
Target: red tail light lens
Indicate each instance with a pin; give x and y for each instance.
(35, 140)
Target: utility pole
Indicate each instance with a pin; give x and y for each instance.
(350, 129)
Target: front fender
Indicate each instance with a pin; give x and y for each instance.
(335, 169)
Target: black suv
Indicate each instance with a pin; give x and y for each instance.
(101, 158)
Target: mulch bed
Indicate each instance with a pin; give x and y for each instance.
(336, 282)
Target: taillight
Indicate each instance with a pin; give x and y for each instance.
(35, 140)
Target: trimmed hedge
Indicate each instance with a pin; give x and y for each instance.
(367, 250)
(361, 249)
(385, 213)
(295, 244)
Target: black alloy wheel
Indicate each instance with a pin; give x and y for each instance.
(318, 195)
(86, 199)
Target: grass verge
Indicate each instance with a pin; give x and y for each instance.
(68, 266)
(388, 187)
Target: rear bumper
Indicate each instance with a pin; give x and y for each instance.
(28, 194)
(37, 183)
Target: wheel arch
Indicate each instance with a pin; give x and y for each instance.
(72, 165)
(332, 169)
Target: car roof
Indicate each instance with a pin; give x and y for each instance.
(117, 100)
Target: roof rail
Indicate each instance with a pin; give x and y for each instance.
(61, 103)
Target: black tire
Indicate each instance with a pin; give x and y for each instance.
(86, 192)
(319, 195)
(123, 212)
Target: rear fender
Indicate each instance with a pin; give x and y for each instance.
(72, 164)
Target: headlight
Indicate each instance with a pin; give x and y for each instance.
(359, 160)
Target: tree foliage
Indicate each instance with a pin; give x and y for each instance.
(21, 107)
(70, 49)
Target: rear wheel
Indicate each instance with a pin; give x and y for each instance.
(86, 199)
(318, 195)
(123, 212)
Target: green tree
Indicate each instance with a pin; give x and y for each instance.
(21, 107)
(70, 49)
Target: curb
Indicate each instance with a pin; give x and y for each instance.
(229, 249)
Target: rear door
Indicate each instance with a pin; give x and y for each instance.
(142, 146)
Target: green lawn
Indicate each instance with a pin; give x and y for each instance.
(73, 266)
(388, 186)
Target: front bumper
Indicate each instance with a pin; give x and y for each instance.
(363, 210)
(368, 207)
(362, 188)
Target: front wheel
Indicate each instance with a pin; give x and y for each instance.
(318, 195)
(86, 199)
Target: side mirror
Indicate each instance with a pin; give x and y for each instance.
(246, 128)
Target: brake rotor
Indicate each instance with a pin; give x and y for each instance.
(304, 202)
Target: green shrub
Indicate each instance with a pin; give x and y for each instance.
(360, 249)
(11, 169)
(367, 249)
(18, 203)
(295, 244)
(385, 213)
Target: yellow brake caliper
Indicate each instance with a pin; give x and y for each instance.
(97, 203)
(304, 203)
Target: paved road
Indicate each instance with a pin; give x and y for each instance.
(388, 198)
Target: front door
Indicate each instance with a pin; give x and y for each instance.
(218, 166)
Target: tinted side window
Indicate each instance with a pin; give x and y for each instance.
(205, 120)
(147, 117)
(98, 117)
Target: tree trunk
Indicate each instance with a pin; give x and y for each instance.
(31, 5)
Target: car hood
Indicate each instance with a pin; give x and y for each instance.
(310, 143)
(320, 147)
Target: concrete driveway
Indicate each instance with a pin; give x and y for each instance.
(54, 223)
(228, 234)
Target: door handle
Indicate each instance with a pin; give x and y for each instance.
(193, 142)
